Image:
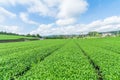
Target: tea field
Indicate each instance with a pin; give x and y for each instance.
(61, 59)
(9, 37)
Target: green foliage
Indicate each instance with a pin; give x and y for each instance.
(7, 37)
(105, 53)
(17, 58)
(94, 34)
(60, 59)
(6, 33)
(68, 63)
(33, 35)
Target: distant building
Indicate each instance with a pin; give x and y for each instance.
(106, 34)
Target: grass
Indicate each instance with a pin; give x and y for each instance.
(72, 59)
(7, 37)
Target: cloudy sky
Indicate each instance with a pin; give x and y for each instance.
(53, 17)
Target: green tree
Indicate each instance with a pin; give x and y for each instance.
(38, 36)
(94, 33)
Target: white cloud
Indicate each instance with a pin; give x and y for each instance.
(51, 30)
(60, 9)
(107, 24)
(65, 12)
(2, 18)
(24, 17)
(71, 8)
(39, 7)
(112, 20)
(13, 29)
(43, 29)
(15, 2)
(64, 22)
(42, 7)
(5, 14)
(52, 3)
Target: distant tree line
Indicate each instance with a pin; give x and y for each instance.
(90, 34)
(94, 34)
(34, 35)
(59, 36)
(28, 35)
(7, 33)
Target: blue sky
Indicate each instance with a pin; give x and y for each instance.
(100, 9)
(52, 17)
